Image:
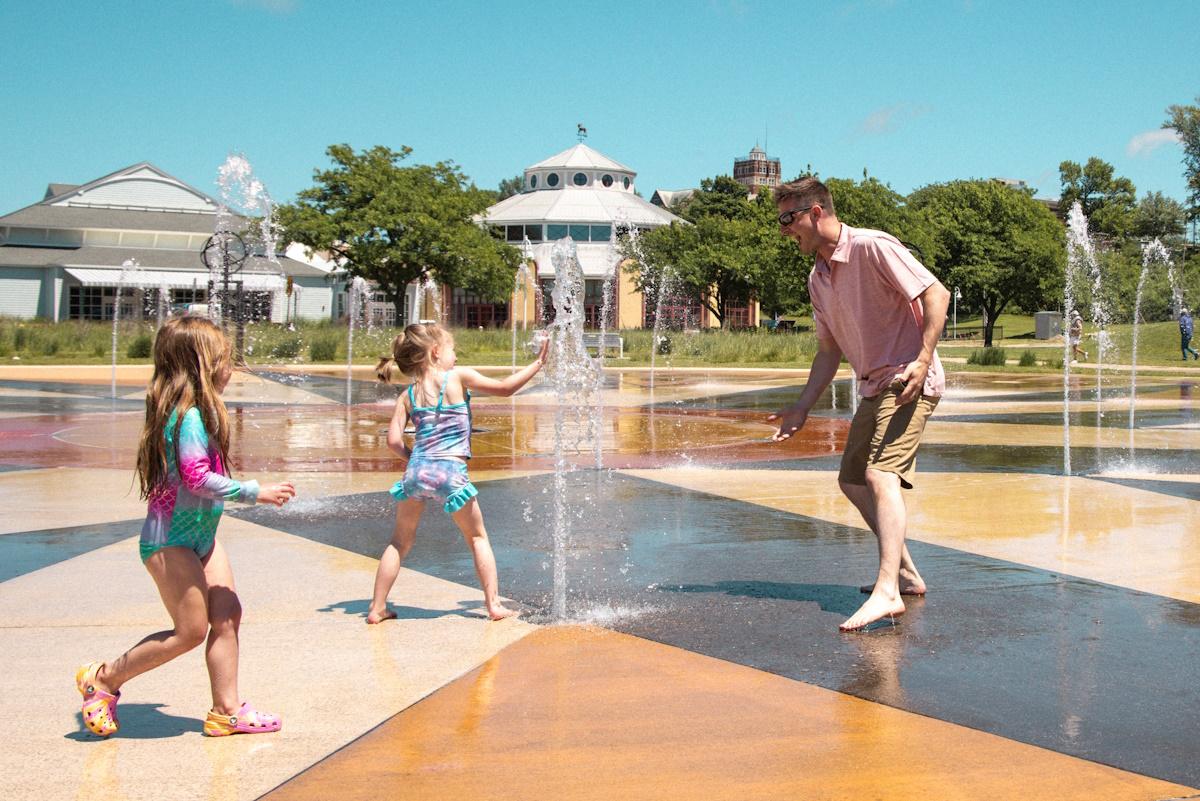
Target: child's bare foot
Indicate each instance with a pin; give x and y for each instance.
(877, 607)
(499, 612)
(378, 617)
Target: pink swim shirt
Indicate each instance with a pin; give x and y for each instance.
(865, 299)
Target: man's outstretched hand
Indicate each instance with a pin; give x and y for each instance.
(791, 420)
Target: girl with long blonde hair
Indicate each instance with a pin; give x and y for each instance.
(439, 403)
(183, 469)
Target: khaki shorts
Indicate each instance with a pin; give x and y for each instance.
(885, 436)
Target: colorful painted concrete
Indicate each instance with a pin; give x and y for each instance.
(1054, 656)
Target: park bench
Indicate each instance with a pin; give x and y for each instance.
(610, 341)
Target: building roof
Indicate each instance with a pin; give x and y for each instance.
(568, 203)
(148, 258)
(577, 205)
(669, 197)
(42, 215)
(54, 190)
(581, 157)
(138, 197)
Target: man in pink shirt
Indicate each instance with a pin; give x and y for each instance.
(880, 308)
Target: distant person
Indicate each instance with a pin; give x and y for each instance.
(876, 304)
(1076, 335)
(1185, 335)
(183, 467)
(439, 403)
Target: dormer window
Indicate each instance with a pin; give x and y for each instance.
(579, 179)
(626, 183)
(533, 182)
(552, 180)
(607, 181)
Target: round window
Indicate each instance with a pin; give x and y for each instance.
(626, 183)
(533, 182)
(552, 179)
(579, 179)
(607, 181)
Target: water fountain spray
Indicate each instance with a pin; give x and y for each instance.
(1081, 256)
(130, 276)
(1153, 253)
(575, 377)
(428, 288)
(242, 196)
(523, 283)
(357, 295)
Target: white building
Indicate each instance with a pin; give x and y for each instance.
(579, 193)
(61, 258)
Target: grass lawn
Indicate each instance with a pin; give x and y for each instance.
(1158, 343)
(37, 342)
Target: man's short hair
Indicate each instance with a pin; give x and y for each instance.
(806, 192)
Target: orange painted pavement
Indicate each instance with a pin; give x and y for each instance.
(578, 713)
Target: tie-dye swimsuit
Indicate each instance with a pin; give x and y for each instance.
(436, 470)
(185, 510)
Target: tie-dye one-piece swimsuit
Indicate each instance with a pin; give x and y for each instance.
(436, 470)
(185, 510)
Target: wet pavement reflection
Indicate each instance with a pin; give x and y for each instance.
(1081, 666)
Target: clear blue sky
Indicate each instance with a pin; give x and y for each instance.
(917, 91)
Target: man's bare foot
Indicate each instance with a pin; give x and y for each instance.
(906, 588)
(379, 617)
(500, 612)
(876, 608)
(911, 583)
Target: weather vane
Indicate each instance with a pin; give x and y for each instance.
(580, 131)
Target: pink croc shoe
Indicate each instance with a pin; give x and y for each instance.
(99, 708)
(248, 720)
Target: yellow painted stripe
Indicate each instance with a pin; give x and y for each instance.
(574, 713)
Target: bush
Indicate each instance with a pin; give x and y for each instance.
(20, 338)
(289, 348)
(322, 349)
(1055, 364)
(1028, 359)
(50, 347)
(990, 357)
(140, 347)
(664, 345)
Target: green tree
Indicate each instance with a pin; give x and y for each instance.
(1158, 216)
(1186, 122)
(869, 203)
(713, 259)
(728, 250)
(395, 224)
(996, 244)
(1107, 199)
(510, 186)
(722, 197)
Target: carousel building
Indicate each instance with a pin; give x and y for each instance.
(582, 194)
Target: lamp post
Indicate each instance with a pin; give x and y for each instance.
(223, 255)
(957, 295)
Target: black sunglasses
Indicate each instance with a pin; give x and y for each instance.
(788, 217)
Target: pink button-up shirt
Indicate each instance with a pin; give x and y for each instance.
(864, 298)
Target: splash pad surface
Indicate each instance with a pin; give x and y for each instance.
(708, 571)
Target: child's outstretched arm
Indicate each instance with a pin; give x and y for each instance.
(195, 469)
(395, 434)
(474, 380)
